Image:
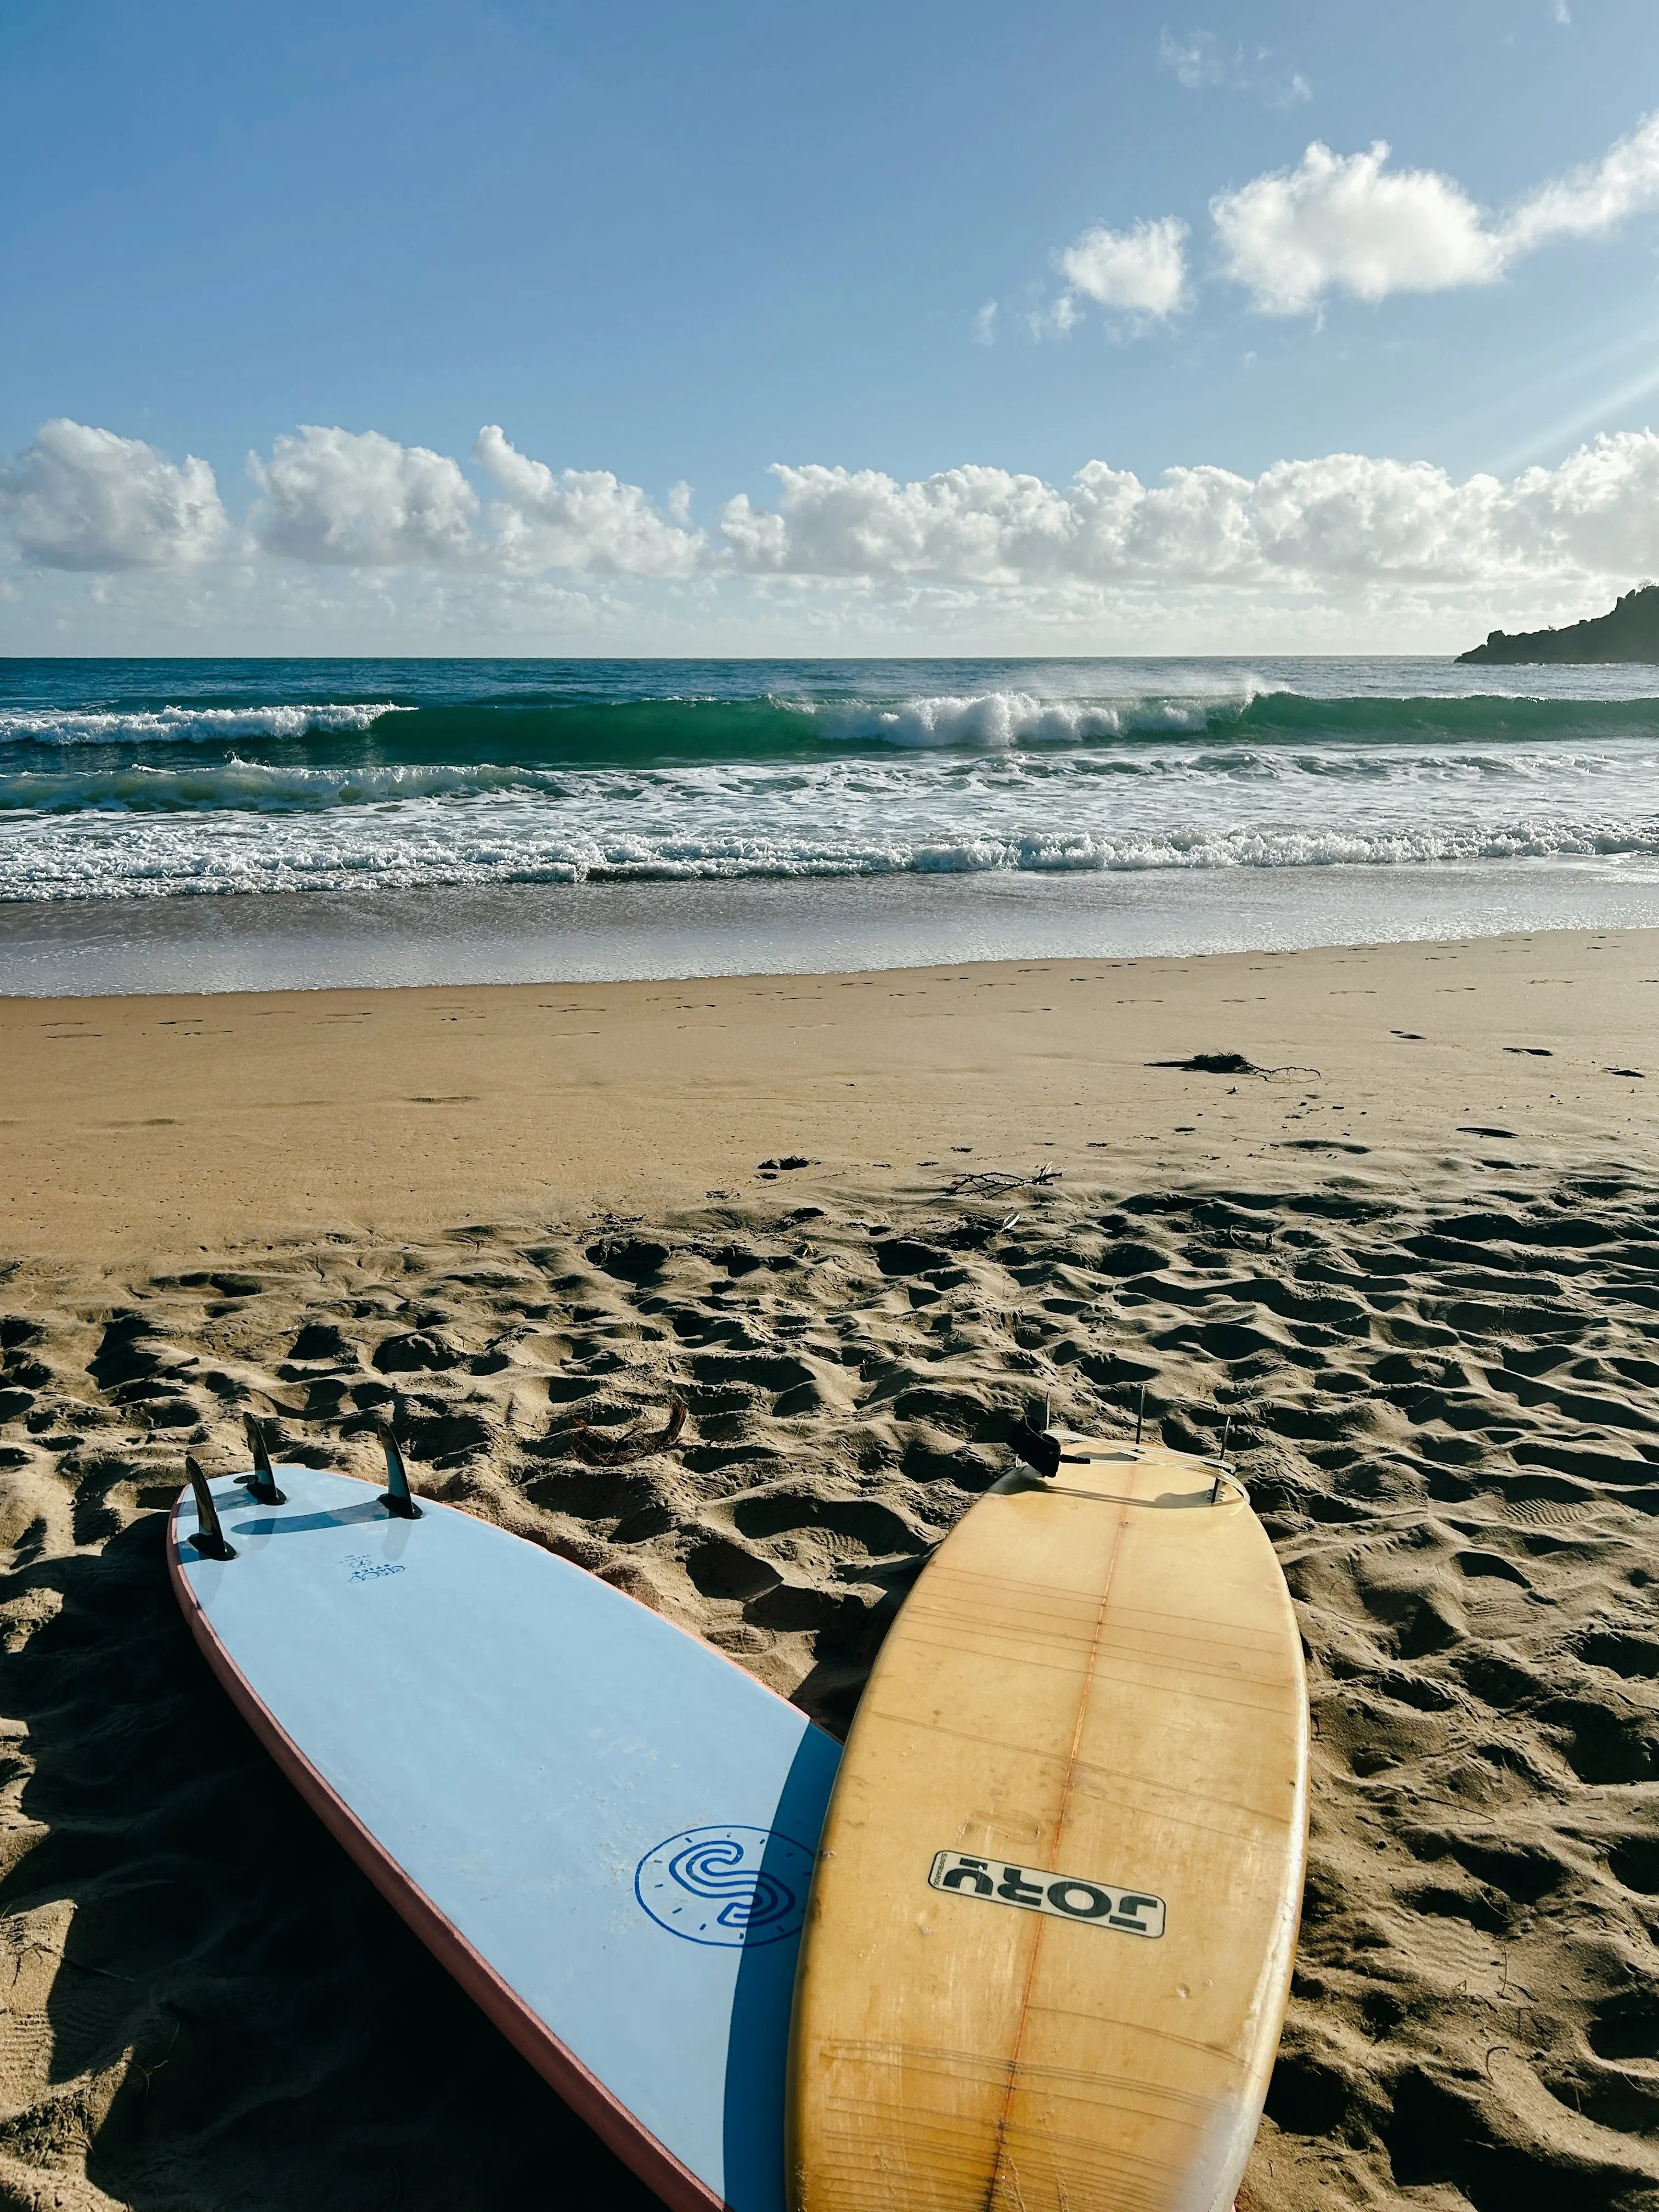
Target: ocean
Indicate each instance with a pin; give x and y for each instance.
(204, 824)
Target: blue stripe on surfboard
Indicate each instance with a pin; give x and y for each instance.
(618, 1819)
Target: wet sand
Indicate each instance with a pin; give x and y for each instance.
(1419, 1264)
(151, 1128)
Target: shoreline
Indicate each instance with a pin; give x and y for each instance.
(650, 930)
(157, 1125)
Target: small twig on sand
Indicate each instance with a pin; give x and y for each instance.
(1232, 1063)
(633, 1443)
(994, 1179)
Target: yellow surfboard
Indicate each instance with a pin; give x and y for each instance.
(1053, 1921)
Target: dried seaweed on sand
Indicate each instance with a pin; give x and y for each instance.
(599, 1450)
(1230, 1063)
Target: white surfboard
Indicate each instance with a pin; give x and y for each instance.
(605, 1829)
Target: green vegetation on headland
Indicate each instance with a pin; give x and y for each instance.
(1630, 632)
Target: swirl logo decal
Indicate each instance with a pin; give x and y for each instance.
(726, 1885)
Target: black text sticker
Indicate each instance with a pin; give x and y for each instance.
(1034, 1889)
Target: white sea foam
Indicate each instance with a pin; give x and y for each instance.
(1169, 773)
(184, 725)
(514, 838)
(996, 720)
(1003, 791)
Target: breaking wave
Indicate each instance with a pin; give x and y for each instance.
(90, 855)
(184, 726)
(151, 779)
(666, 732)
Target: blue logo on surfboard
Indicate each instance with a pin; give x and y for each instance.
(729, 1884)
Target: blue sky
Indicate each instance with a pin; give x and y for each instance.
(673, 247)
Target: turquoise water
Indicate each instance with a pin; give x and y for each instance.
(163, 778)
(468, 820)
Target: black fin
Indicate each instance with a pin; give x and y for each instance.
(210, 1537)
(1221, 1462)
(262, 1483)
(398, 1498)
(1033, 1444)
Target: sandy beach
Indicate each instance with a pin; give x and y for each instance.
(857, 1222)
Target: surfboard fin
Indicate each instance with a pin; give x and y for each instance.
(1221, 1462)
(397, 1498)
(1031, 1442)
(262, 1483)
(210, 1537)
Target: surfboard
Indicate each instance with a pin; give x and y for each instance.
(601, 1826)
(1050, 1935)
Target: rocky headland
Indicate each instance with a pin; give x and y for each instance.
(1630, 632)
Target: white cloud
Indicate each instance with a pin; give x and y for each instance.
(581, 519)
(1142, 271)
(1348, 223)
(1339, 551)
(1590, 201)
(1055, 319)
(359, 500)
(1344, 222)
(978, 524)
(985, 325)
(1199, 60)
(363, 500)
(1195, 61)
(1343, 526)
(1597, 514)
(86, 499)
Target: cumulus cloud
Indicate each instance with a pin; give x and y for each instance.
(1349, 223)
(580, 519)
(1346, 223)
(1142, 271)
(363, 500)
(356, 499)
(82, 498)
(1341, 526)
(979, 524)
(1590, 201)
(1346, 538)
(1199, 60)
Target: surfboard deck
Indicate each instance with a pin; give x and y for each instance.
(602, 1828)
(1051, 1931)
